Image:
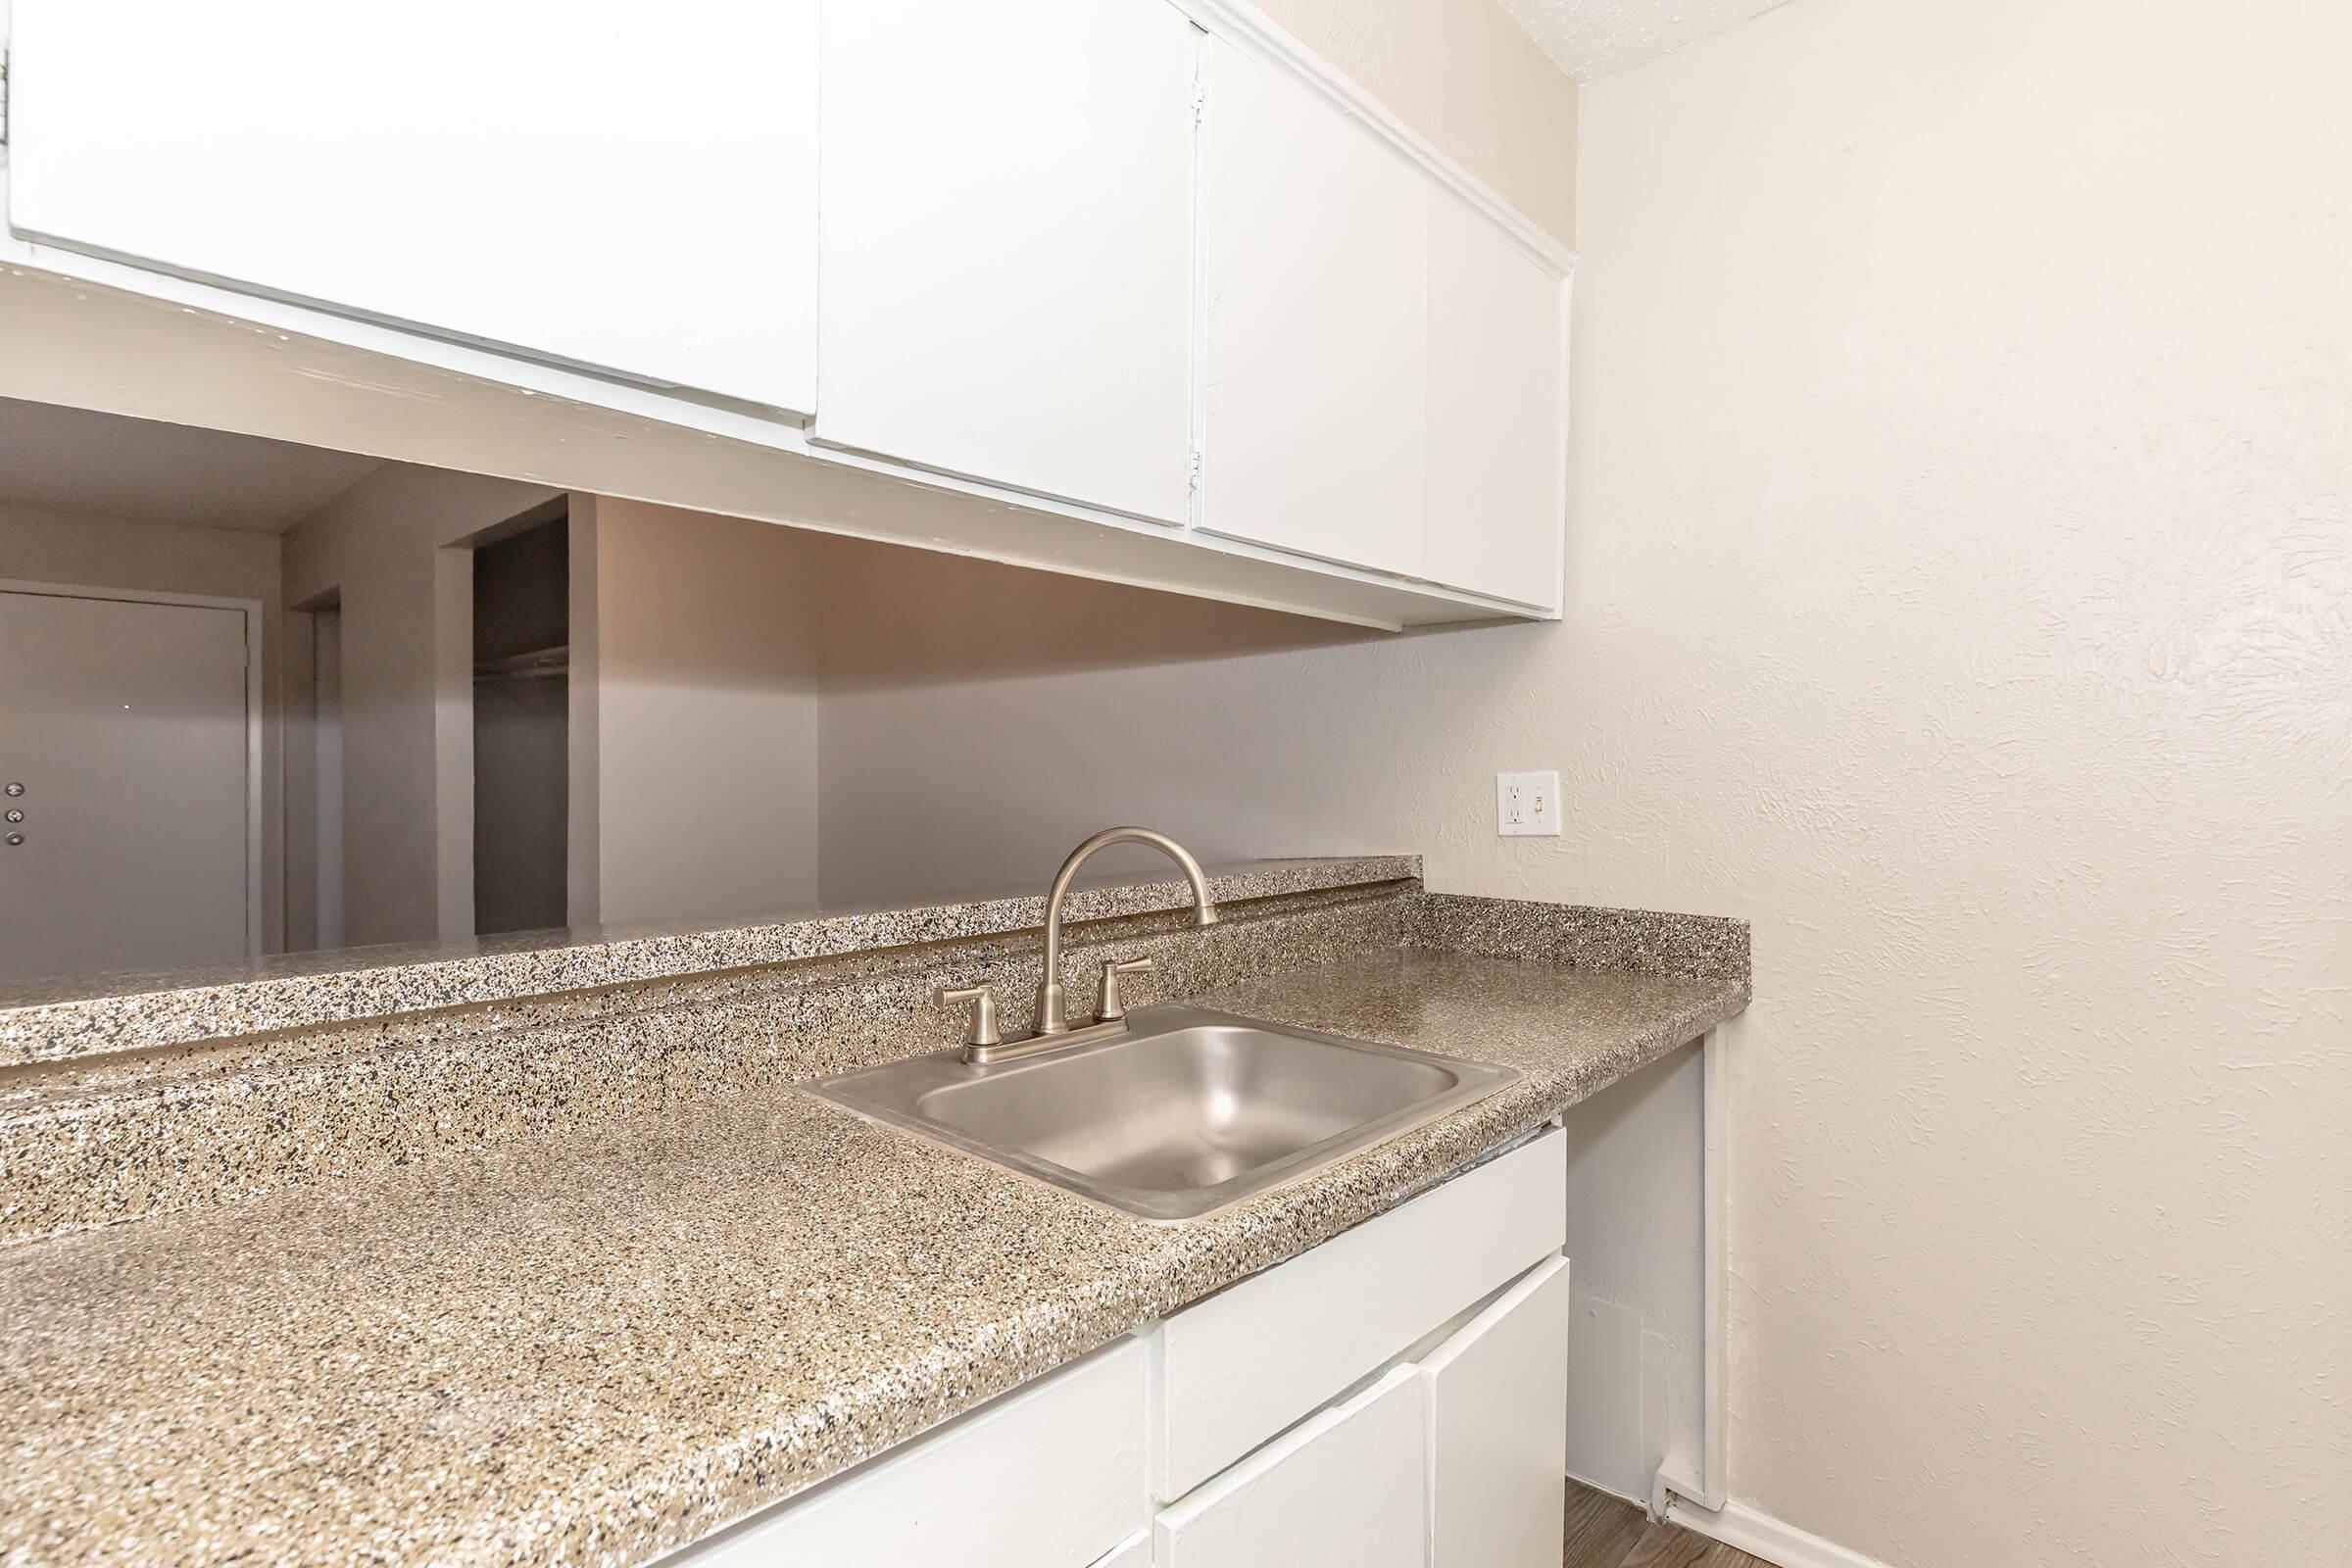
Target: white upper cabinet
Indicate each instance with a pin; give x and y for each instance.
(1315, 241)
(626, 190)
(1496, 468)
(1383, 368)
(1132, 297)
(1007, 244)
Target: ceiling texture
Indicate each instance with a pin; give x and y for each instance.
(1589, 38)
(72, 460)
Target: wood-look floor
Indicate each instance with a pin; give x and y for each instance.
(1605, 1532)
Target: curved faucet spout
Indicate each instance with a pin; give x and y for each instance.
(1052, 1006)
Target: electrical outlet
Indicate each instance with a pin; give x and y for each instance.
(1527, 806)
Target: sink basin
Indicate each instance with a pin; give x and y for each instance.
(1186, 1113)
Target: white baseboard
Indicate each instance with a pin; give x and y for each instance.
(1760, 1534)
(1603, 1488)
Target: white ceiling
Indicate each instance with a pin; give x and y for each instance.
(70, 459)
(1589, 38)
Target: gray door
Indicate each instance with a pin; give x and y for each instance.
(124, 723)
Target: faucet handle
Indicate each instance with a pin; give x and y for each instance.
(1114, 1006)
(980, 1029)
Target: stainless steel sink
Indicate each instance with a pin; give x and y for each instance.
(1186, 1113)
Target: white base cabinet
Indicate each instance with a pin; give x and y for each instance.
(1233, 1371)
(1395, 1397)
(1344, 1491)
(1048, 1477)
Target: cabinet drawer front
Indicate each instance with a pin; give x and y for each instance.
(1238, 1368)
(1347, 1490)
(1050, 1477)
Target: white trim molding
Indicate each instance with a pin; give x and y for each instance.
(1707, 1484)
(1240, 22)
(1751, 1530)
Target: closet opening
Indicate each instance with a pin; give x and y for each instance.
(521, 723)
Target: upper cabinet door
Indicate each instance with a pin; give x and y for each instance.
(1498, 464)
(625, 189)
(1007, 243)
(1316, 235)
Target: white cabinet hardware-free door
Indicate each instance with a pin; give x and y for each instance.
(1383, 365)
(1315, 241)
(593, 183)
(1496, 468)
(1345, 1489)
(1499, 1429)
(1007, 244)
(126, 724)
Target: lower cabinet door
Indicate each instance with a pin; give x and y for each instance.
(1498, 1398)
(1348, 1489)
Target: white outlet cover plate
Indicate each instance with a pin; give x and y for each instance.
(1527, 806)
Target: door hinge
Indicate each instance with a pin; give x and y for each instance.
(1200, 101)
(1192, 469)
(3, 97)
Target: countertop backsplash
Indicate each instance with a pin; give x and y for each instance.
(152, 1128)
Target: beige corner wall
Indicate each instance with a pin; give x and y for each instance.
(1463, 75)
(700, 669)
(1958, 588)
(85, 550)
(694, 715)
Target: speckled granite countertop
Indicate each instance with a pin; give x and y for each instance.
(593, 1349)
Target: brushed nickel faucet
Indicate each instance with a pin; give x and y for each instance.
(982, 1041)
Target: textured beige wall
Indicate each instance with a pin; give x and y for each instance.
(1964, 567)
(84, 550)
(1959, 573)
(1463, 75)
